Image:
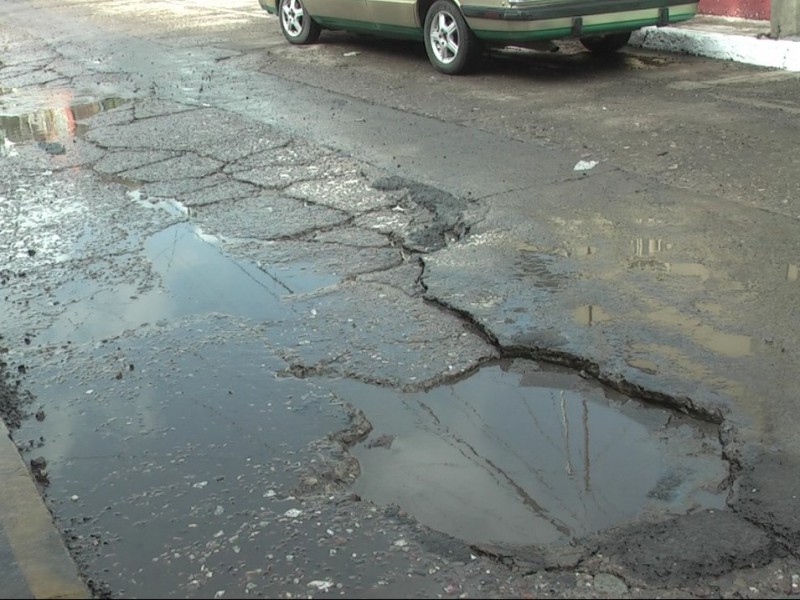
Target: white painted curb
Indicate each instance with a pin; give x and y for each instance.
(764, 52)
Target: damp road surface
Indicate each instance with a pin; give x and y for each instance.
(282, 321)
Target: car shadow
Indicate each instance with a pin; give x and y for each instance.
(570, 61)
(562, 64)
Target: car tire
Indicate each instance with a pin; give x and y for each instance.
(451, 45)
(606, 44)
(296, 24)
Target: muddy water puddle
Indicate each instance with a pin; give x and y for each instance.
(174, 450)
(172, 457)
(50, 124)
(195, 278)
(516, 454)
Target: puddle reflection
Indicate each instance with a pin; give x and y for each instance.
(649, 246)
(727, 344)
(644, 251)
(590, 314)
(196, 278)
(531, 456)
(52, 124)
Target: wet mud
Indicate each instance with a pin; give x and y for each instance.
(15, 399)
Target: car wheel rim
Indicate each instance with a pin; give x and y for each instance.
(444, 37)
(292, 15)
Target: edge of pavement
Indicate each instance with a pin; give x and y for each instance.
(34, 559)
(725, 38)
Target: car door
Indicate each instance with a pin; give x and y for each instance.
(395, 18)
(340, 14)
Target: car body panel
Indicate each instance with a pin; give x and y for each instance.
(383, 29)
(396, 13)
(348, 10)
(355, 10)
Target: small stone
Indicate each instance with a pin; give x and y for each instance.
(39, 470)
(53, 147)
(382, 441)
(610, 584)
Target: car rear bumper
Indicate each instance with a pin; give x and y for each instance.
(532, 19)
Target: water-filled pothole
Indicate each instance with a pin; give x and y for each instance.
(196, 278)
(50, 124)
(513, 454)
(518, 454)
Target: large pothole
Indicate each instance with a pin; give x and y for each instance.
(520, 454)
(512, 454)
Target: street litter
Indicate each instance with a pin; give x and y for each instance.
(585, 165)
(323, 586)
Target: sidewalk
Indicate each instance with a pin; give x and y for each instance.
(34, 563)
(738, 40)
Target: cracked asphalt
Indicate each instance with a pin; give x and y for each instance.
(269, 313)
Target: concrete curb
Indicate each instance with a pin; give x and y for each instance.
(724, 39)
(41, 566)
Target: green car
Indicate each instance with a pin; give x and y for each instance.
(455, 32)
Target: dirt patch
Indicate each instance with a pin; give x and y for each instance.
(334, 469)
(770, 499)
(13, 399)
(685, 550)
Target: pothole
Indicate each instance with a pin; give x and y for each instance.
(519, 454)
(513, 454)
(195, 278)
(52, 124)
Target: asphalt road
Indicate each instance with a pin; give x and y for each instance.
(270, 313)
